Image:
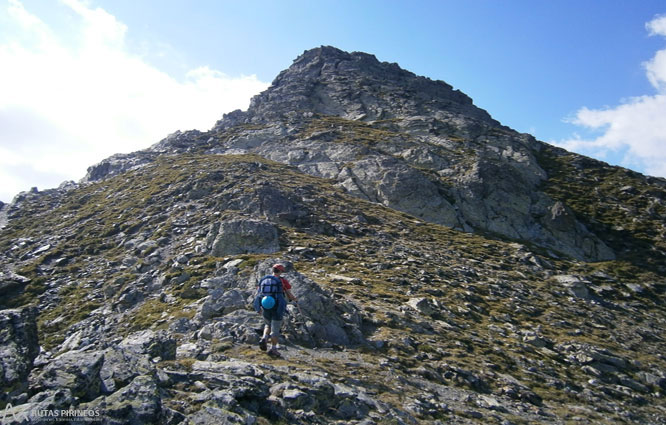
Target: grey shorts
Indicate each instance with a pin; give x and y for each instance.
(274, 326)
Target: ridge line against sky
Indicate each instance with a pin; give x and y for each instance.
(82, 80)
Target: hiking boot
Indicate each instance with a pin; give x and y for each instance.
(262, 344)
(274, 352)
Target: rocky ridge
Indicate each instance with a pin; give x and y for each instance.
(441, 262)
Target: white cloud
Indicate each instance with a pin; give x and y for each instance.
(636, 127)
(656, 68)
(657, 26)
(66, 106)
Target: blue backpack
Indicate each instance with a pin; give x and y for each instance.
(270, 287)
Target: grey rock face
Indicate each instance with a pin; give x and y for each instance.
(243, 236)
(18, 348)
(398, 186)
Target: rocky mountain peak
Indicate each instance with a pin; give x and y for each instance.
(389, 136)
(357, 86)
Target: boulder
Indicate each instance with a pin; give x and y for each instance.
(574, 285)
(240, 325)
(11, 280)
(211, 415)
(155, 344)
(221, 303)
(137, 403)
(423, 305)
(242, 236)
(79, 371)
(121, 366)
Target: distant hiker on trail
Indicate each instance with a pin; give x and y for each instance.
(270, 300)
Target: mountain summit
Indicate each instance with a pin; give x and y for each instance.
(448, 269)
(357, 86)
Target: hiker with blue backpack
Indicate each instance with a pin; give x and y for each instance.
(270, 301)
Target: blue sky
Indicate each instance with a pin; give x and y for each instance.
(82, 80)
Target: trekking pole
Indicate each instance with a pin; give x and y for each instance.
(303, 318)
(299, 308)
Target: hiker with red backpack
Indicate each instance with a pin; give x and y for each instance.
(270, 301)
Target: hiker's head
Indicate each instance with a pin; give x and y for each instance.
(278, 268)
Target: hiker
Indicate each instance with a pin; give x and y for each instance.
(271, 302)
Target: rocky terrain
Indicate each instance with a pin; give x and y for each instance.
(448, 270)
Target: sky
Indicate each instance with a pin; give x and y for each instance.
(82, 80)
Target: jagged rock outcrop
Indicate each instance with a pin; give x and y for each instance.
(356, 86)
(3, 214)
(119, 163)
(320, 319)
(19, 347)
